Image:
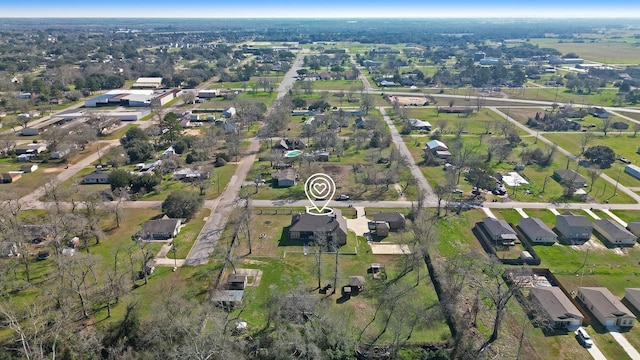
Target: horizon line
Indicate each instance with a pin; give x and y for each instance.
(328, 17)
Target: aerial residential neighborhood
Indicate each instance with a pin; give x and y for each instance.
(159, 200)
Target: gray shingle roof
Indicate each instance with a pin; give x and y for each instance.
(613, 229)
(605, 301)
(575, 220)
(555, 303)
(499, 228)
(535, 227)
(320, 223)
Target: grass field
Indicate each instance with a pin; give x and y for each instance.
(605, 51)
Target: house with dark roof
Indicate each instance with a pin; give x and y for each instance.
(634, 227)
(96, 177)
(632, 295)
(160, 229)
(286, 177)
(395, 220)
(307, 226)
(499, 231)
(574, 227)
(290, 144)
(537, 231)
(598, 112)
(614, 232)
(568, 177)
(606, 307)
(11, 176)
(555, 308)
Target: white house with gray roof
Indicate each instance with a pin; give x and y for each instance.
(614, 232)
(606, 307)
(555, 308)
(537, 231)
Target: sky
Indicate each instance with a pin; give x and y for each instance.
(322, 9)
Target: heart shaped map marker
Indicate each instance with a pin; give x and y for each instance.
(320, 189)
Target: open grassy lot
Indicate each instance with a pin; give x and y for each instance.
(627, 215)
(480, 122)
(562, 95)
(601, 50)
(623, 145)
(336, 84)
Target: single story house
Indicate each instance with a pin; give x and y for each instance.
(28, 168)
(633, 170)
(438, 148)
(632, 295)
(555, 307)
(574, 227)
(355, 285)
(160, 229)
(605, 307)
(634, 227)
(26, 157)
(395, 220)
(11, 176)
(569, 177)
(186, 174)
(613, 232)
(170, 151)
(417, 124)
(537, 231)
(598, 112)
(499, 231)
(290, 144)
(32, 148)
(96, 177)
(286, 177)
(228, 299)
(307, 226)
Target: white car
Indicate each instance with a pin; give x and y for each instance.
(584, 338)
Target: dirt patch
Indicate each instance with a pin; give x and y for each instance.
(51, 170)
(592, 244)
(408, 100)
(194, 132)
(254, 262)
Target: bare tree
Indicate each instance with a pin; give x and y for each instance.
(594, 174)
(636, 128)
(189, 96)
(606, 124)
(585, 139)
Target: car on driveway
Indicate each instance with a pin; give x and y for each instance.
(584, 338)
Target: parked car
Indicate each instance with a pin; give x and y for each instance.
(624, 160)
(343, 197)
(43, 255)
(584, 338)
(457, 191)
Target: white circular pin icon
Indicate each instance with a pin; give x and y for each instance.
(319, 189)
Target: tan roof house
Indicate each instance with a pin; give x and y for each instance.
(555, 308)
(606, 307)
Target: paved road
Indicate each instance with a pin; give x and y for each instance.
(221, 208)
(411, 163)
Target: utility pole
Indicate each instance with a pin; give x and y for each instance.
(615, 191)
